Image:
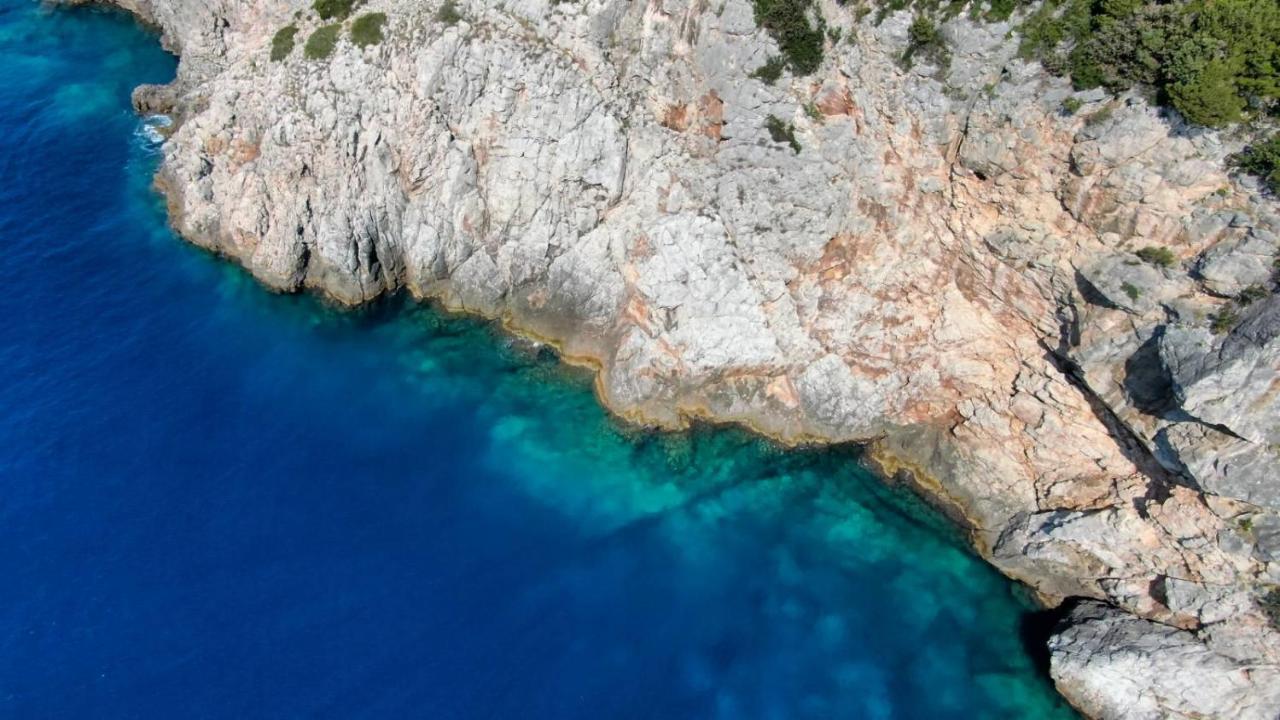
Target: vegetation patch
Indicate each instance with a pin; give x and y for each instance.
(1131, 290)
(1071, 106)
(1270, 604)
(322, 42)
(1158, 256)
(945, 9)
(1250, 295)
(367, 29)
(771, 70)
(1223, 320)
(1263, 160)
(448, 13)
(781, 131)
(1215, 61)
(800, 40)
(1099, 117)
(1246, 525)
(999, 10)
(282, 43)
(924, 39)
(335, 9)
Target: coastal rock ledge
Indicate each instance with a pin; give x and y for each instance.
(938, 261)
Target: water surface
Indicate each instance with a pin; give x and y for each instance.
(221, 503)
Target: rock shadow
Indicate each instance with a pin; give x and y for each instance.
(1147, 382)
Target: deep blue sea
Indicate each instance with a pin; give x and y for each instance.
(216, 502)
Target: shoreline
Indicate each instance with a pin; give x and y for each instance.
(944, 486)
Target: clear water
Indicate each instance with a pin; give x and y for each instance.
(221, 503)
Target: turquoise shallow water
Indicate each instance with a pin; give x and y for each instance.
(222, 503)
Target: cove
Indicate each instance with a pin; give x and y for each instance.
(222, 503)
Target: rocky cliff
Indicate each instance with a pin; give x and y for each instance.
(1057, 323)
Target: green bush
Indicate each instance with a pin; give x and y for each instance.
(1099, 117)
(1213, 60)
(367, 29)
(1250, 295)
(1071, 106)
(282, 43)
(1209, 96)
(787, 21)
(321, 43)
(781, 131)
(448, 13)
(1131, 290)
(1158, 256)
(923, 32)
(1263, 160)
(924, 38)
(335, 9)
(770, 71)
(1270, 605)
(1000, 10)
(1223, 320)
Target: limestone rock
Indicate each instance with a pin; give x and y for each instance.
(1153, 672)
(1222, 463)
(1230, 381)
(1239, 263)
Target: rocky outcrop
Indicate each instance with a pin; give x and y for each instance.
(942, 265)
(1151, 672)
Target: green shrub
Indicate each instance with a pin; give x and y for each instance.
(1223, 320)
(1099, 117)
(1212, 60)
(448, 13)
(1000, 10)
(282, 43)
(1131, 290)
(770, 71)
(1250, 295)
(788, 23)
(923, 32)
(1263, 160)
(1209, 96)
(335, 9)
(781, 131)
(367, 29)
(1071, 106)
(1158, 256)
(1042, 32)
(1270, 605)
(924, 38)
(321, 43)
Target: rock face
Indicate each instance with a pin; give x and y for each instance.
(1150, 671)
(943, 267)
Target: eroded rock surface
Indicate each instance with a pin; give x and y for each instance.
(945, 268)
(1153, 672)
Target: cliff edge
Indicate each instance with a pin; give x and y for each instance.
(1050, 310)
